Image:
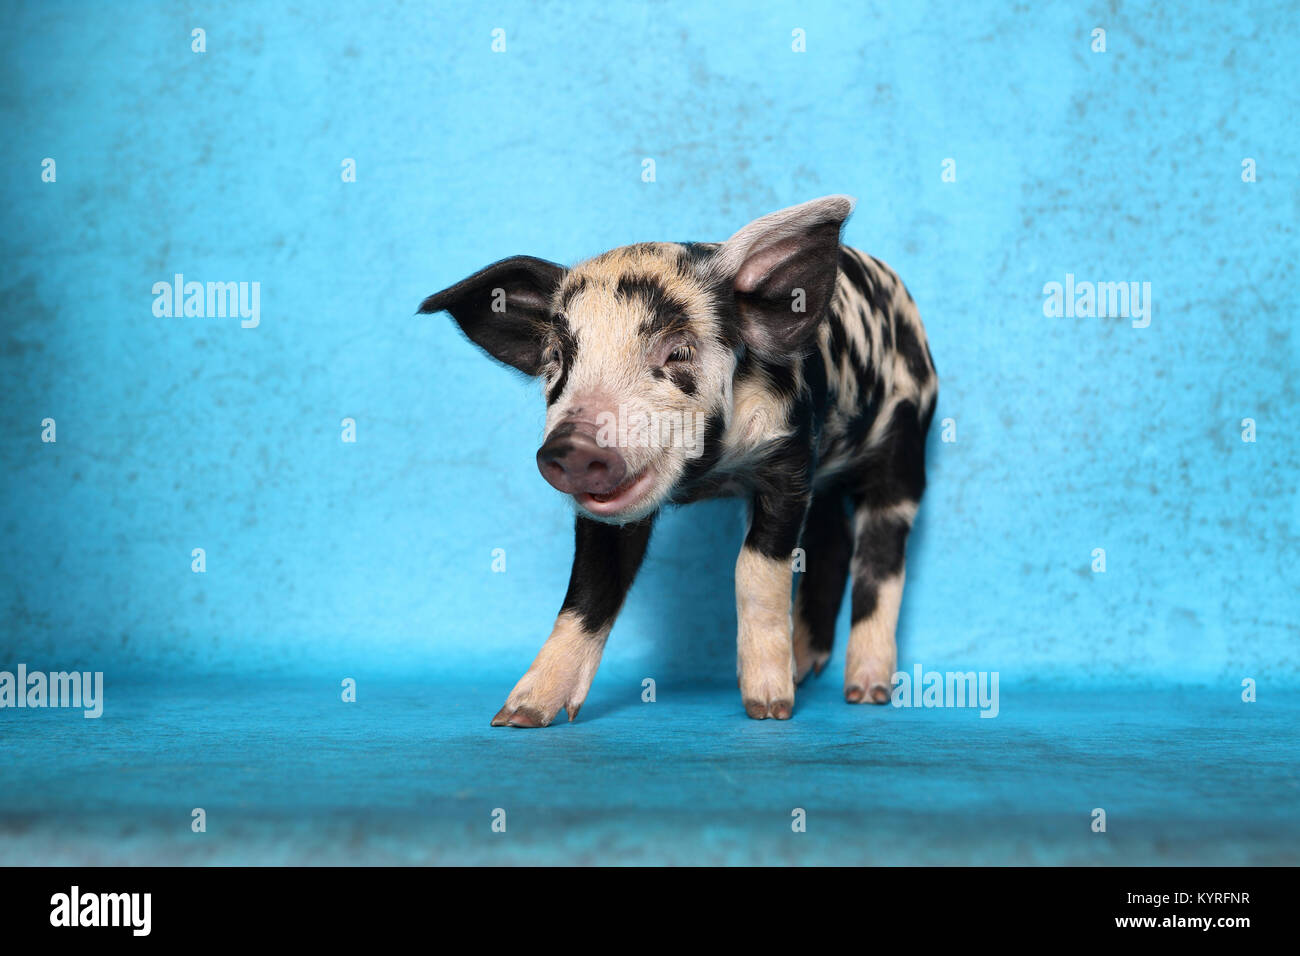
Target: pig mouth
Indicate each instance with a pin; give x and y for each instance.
(619, 499)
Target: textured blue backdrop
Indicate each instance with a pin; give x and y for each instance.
(374, 559)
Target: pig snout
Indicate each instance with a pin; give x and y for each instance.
(575, 463)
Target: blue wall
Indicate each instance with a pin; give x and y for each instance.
(375, 557)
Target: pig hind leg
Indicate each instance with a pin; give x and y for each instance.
(827, 550)
(885, 500)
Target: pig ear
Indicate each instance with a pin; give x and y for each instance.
(504, 308)
(783, 268)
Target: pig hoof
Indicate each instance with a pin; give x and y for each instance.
(526, 717)
(777, 709)
(555, 684)
(879, 694)
(509, 716)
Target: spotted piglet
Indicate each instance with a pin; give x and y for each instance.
(779, 366)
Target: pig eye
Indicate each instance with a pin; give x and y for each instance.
(683, 353)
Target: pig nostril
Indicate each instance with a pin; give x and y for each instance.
(596, 467)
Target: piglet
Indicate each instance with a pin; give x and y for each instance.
(780, 366)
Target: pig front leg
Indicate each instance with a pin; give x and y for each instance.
(605, 561)
(764, 574)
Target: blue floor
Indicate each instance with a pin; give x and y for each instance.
(411, 774)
